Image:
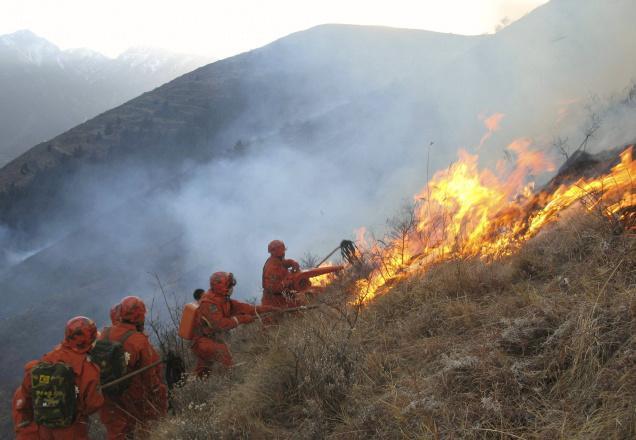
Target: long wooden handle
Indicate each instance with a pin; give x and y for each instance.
(293, 309)
(131, 374)
(327, 257)
(290, 310)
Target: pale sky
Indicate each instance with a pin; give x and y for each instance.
(223, 28)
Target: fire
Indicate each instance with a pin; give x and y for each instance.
(467, 213)
(325, 279)
(492, 124)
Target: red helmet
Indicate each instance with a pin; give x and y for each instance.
(80, 333)
(114, 314)
(276, 248)
(222, 282)
(132, 310)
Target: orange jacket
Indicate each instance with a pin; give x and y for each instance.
(276, 274)
(217, 313)
(147, 396)
(89, 398)
(23, 425)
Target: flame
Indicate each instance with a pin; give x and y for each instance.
(492, 124)
(325, 279)
(466, 213)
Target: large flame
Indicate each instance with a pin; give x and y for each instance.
(464, 212)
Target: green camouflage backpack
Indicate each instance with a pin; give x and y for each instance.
(54, 394)
(110, 357)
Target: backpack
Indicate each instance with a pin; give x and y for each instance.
(187, 324)
(54, 394)
(110, 357)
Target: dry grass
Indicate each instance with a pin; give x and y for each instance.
(538, 346)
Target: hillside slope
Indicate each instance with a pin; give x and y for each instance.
(249, 95)
(536, 346)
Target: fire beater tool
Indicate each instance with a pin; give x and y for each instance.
(132, 374)
(348, 251)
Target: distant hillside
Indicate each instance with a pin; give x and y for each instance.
(46, 91)
(248, 99)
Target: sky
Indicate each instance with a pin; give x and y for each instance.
(221, 29)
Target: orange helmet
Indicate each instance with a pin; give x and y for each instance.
(222, 282)
(80, 333)
(276, 248)
(114, 314)
(132, 310)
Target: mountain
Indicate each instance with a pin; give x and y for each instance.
(46, 90)
(252, 99)
(304, 139)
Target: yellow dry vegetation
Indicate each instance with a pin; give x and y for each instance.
(536, 345)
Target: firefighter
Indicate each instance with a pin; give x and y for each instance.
(61, 390)
(216, 314)
(277, 279)
(144, 398)
(23, 425)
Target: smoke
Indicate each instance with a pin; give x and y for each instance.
(10, 255)
(341, 126)
(230, 210)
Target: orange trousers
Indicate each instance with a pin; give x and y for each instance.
(281, 301)
(121, 422)
(209, 351)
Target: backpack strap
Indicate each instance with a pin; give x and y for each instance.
(123, 339)
(126, 335)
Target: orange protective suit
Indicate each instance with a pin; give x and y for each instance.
(145, 399)
(216, 314)
(89, 398)
(23, 425)
(276, 280)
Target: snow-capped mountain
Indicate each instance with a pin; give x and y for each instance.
(47, 90)
(26, 47)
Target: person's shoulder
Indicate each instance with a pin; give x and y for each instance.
(55, 355)
(29, 365)
(211, 299)
(127, 333)
(139, 338)
(272, 260)
(105, 331)
(90, 369)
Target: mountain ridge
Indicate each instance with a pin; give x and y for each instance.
(47, 90)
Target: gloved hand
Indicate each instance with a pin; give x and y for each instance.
(293, 265)
(245, 319)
